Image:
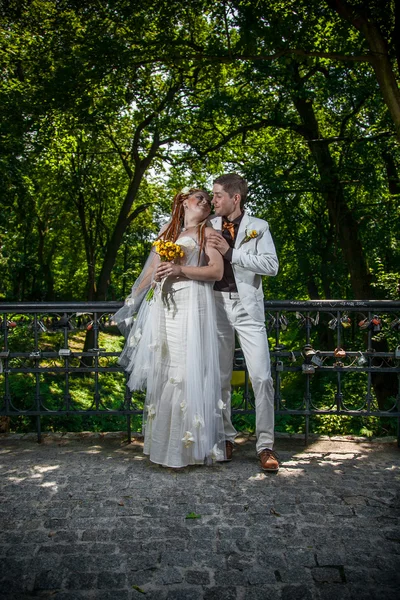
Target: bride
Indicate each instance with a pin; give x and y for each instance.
(171, 348)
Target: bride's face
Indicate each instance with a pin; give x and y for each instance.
(198, 205)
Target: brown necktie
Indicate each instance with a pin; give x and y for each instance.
(230, 227)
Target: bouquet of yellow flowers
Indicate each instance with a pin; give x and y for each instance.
(167, 252)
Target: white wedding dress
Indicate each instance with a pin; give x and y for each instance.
(172, 352)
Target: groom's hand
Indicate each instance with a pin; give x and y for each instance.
(216, 240)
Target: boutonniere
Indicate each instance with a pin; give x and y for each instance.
(250, 234)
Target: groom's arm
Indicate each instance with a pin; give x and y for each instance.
(263, 262)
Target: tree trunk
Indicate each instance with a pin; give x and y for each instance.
(379, 59)
(340, 215)
(44, 265)
(392, 174)
(89, 250)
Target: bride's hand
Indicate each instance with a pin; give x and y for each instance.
(168, 269)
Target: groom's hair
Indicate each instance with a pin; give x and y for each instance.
(233, 184)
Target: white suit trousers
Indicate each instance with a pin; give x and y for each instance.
(252, 335)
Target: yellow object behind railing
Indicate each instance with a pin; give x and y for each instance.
(238, 379)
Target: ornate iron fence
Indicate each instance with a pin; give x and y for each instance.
(329, 357)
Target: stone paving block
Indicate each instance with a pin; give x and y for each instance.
(209, 560)
(81, 581)
(138, 561)
(65, 595)
(220, 593)
(87, 563)
(207, 545)
(297, 592)
(147, 594)
(325, 557)
(201, 533)
(263, 592)
(114, 581)
(185, 594)
(168, 576)
(45, 561)
(112, 594)
(271, 559)
(231, 578)
(143, 579)
(294, 575)
(333, 592)
(21, 549)
(63, 549)
(197, 577)
(36, 537)
(231, 533)
(178, 559)
(49, 580)
(178, 545)
(226, 546)
(332, 574)
(240, 561)
(11, 587)
(370, 592)
(65, 536)
(300, 557)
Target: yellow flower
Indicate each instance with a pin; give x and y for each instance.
(167, 250)
(250, 235)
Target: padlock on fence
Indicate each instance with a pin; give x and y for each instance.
(361, 361)
(283, 322)
(376, 323)
(395, 324)
(308, 352)
(307, 369)
(345, 321)
(332, 323)
(317, 360)
(279, 365)
(270, 322)
(397, 352)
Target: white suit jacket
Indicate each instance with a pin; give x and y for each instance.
(250, 260)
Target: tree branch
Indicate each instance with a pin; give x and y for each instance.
(201, 57)
(121, 154)
(167, 99)
(138, 210)
(252, 127)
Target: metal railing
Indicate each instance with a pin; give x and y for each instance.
(329, 357)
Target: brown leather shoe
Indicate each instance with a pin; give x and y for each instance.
(228, 450)
(269, 461)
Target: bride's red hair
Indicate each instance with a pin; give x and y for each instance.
(174, 228)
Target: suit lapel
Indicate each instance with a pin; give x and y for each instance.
(242, 229)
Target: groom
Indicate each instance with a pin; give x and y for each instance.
(248, 250)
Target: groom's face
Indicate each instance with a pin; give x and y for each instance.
(224, 204)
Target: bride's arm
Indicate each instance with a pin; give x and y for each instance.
(213, 271)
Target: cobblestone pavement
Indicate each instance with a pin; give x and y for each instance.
(91, 518)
